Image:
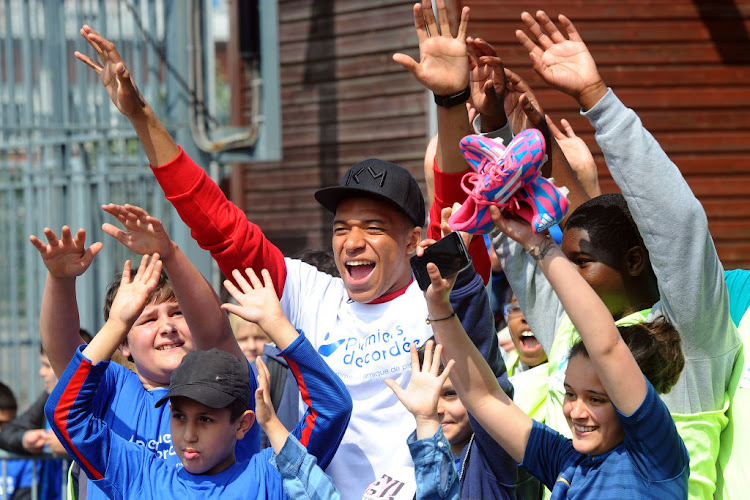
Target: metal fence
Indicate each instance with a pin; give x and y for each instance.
(65, 150)
(9, 483)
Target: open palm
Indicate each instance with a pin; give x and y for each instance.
(67, 256)
(568, 66)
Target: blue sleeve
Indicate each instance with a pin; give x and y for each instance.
(472, 305)
(433, 467)
(738, 284)
(87, 439)
(493, 456)
(329, 405)
(652, 440)
(546, 454)
(301, 476)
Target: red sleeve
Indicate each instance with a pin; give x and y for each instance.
(447, 192)
(217, 224)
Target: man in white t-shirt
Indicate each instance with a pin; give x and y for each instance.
(362, 323)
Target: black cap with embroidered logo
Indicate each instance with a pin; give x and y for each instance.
(377, 179)
(213, 378)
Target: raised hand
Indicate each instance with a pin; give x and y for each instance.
(578, 155)
(517, 92)
(65, 257)
(564, 63)
(257, 301)
(444, 66)
(113, 72)
(145, 234)
(421, 395)
(517, 228)
(488, 83)
(264, 411)
(132, 294)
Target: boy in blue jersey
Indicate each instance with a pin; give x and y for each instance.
(208, 393)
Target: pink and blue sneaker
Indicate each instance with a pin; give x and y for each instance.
(539, 202)
(499, 173)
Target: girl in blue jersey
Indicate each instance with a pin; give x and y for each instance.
(624, 440)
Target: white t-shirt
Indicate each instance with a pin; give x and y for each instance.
(364, 344)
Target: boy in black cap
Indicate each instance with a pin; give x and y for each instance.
(209, 394)
(363, 323)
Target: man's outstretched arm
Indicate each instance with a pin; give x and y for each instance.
(218, 225)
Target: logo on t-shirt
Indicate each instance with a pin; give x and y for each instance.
(389, 488)
(369, 359)
(378, 348)
(162, 447)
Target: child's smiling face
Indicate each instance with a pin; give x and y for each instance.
(590, 414)
(454, 419)
(158, 341)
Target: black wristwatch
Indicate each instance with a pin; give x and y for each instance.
(448, 101)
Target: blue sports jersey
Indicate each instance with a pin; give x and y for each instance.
(19, 474)
(128, 410)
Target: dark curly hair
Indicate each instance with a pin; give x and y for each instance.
(609, 224)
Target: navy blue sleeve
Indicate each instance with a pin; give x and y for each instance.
(329, 405)
(494, 457)
(472, 305)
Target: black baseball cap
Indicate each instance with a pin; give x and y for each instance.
(213, 378)
(381, 180)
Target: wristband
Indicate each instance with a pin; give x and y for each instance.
(538, 252)
(428, 320)
(448, 101)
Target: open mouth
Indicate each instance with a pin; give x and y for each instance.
(359, 269)
(529, 341)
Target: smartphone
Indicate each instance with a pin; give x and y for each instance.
(449, 254)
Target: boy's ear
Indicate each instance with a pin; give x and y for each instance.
(636, 260)
(244, 423)
(414, 237)
(125, 350)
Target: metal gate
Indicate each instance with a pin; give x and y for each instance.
(65, 151)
